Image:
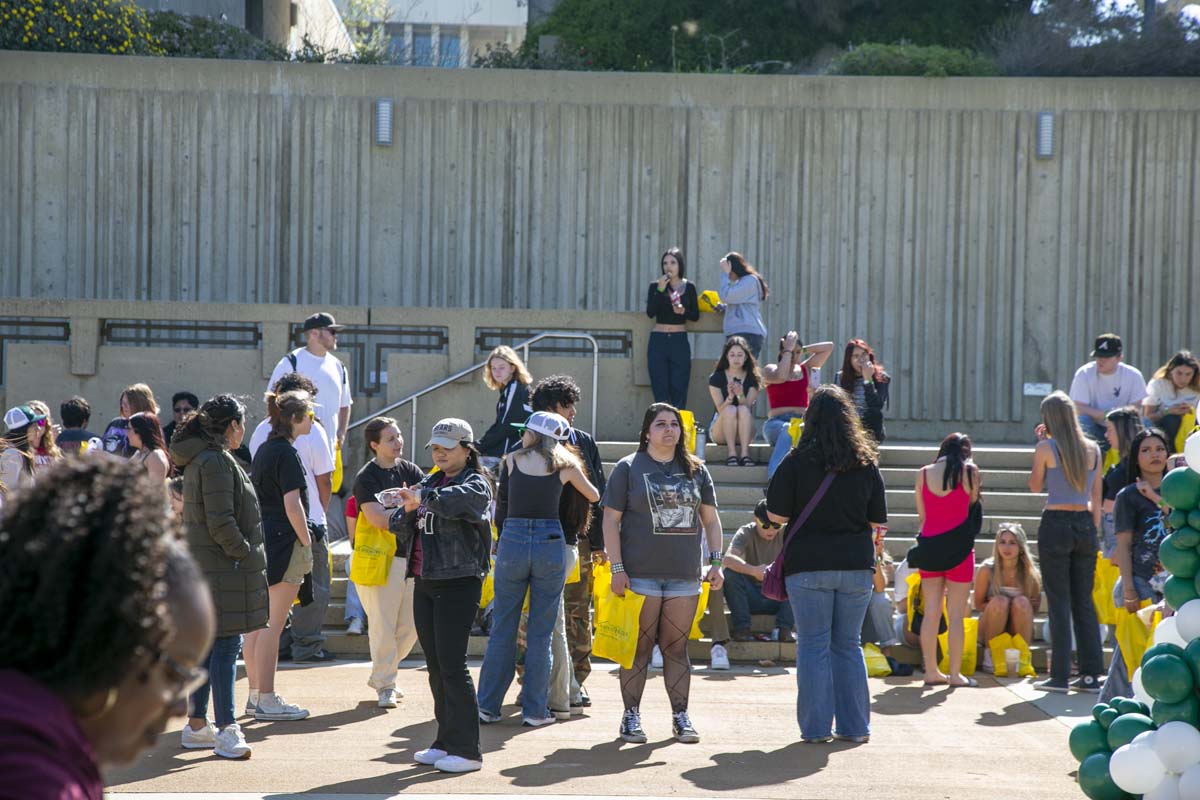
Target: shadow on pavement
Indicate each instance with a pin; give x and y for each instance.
(565, 764)
(909, 699)
(733, 771)
(1015, 714)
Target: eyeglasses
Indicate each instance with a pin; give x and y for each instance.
(770, 525)
(183, 682)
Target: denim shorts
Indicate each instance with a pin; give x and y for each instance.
(669, 587)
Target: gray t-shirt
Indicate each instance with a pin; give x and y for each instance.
(661, 533)
(753, 549)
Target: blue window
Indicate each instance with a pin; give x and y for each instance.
(449, 53)
(422, 54)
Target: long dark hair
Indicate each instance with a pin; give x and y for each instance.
(740, 267)
(690, 462)
(212, 419)
(751, 365)
(956, 449)
(149, 430)
(1132, 471)
(678, 255)
(834, 434)
(575, 511)
(849, 374)
(1126, 421)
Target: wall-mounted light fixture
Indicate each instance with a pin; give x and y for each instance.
(1045, 134)
(383, 122)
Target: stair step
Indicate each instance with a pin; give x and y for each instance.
(899, 454)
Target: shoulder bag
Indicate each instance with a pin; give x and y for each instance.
(773, 586)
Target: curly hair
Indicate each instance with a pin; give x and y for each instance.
(212, 419)
(557, 390)
(294, 381)
(84, 557)
(833, 433)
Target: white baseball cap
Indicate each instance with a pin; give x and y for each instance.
(546, 423)
(451, 432)
(20, 416)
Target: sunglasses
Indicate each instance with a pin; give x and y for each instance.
(770, 525)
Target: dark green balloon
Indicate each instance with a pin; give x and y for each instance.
(1162, 649)
(1187, 710)
(1192, 657)
(1108, 716)
(1193, 518)
(1177, 519)
(1183, 563)
(1181, 488)
(1088, 738)
(1167, 678)
(1099, 709)
(1095, 781)
(1127, 726)
(1179, 590)
(1185, 535)
(1127, 705)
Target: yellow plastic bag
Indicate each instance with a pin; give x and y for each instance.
(689, 429)
(573, 576)
(795, 428)
(877, 663)
(970, 647)
(488, 592)
(1133, 637)
(708, 301)
(616, 620)
(374, 549)
(1111, 458)
(1185, 430)
(1006, 641)
(695, 633)
(338, 471)
(1102, 589)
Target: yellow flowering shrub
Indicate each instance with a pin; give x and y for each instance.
(113, 27)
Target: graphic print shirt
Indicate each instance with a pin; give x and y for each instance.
(1135, 512)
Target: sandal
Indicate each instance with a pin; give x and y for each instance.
(969, 683)
(747, 461)
(732, 461)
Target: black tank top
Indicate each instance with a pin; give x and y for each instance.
(533, 496)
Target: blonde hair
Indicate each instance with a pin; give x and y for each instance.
(520, 373)
(48, 443)
(1029, 577)
(140, 399)
(1062, 422)
(557, 455)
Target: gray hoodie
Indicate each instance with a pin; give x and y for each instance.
(742, 298)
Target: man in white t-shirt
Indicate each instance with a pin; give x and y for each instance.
(1104, 384)
(303, 639)
(317, 362)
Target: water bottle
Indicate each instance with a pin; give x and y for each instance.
(701, 441)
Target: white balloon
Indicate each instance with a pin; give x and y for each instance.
(1139, 691)
(1189, 784)
(1177, 745)
(1188, 620)
(1167, 789)
(1191, 451)
(1167, 632)
(1136, 768)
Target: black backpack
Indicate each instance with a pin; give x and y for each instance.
(291, 357)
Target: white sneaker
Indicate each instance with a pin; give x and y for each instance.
(986, 666)
(231, 743)
(202, 739)
(487, 717)
(560, 715)
(273, 707)
(532, 722)
(355, 627)
(457, 764)
(429, 756)
(656, 658)
(718, 658)
(387, 698)
(252, 702)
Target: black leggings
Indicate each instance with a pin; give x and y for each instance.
(443, 612)
(667, 620)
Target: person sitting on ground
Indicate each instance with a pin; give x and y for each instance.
(146, 437)
(182, 404)
(25, 429)
(733, 386)
(91, 680)
(867, 384)
(75, 415)
(137, 398)
(1104, 384)
(1172, 394)
(1121, 425)
(755, 545)
(505, 373)
(1008, 590)
(789, 384)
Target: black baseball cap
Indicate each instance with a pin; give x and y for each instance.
(1107, 346)
(321, 320)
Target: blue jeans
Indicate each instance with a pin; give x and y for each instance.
(879, 626)
(1095, 431)
(775, 431)
(744, 597)
(222, 674)
(531, 557)
(831, 676)
(669, 361)
(354, 607)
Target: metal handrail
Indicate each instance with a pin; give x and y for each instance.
(524, 346)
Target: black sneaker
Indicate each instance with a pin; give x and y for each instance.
(631, 726)
(1051, 685)
(1086, 683)
(682, 725)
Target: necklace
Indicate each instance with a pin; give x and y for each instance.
(664, 466)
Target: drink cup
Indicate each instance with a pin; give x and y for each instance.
(1012, 660)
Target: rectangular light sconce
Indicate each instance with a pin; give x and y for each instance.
(383, 122)
(1045, 134)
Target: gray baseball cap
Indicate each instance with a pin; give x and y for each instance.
(451, 432)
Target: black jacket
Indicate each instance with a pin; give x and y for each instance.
(877, 397)
(513, 406)
(457, 538)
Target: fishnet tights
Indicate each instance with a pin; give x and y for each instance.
(667, 620)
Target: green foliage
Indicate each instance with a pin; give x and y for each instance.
(114, 27)
(501, 57)
(201, 37)
(367, 20)
(928, 61)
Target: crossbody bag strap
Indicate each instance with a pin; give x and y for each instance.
(808, 509)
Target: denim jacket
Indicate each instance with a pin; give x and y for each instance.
(456, 541)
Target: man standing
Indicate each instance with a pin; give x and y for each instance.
(1104, 384)
(754, 546)
(317, 362)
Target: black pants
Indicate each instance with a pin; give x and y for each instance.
(1067, 551)
(1170, 425)
(669, 358)
(443, 612)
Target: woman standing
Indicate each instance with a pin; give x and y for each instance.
(742, 292)
(789, 387)
(829, 493)
(278, 477)
(506, 374)
(224, 533)
(660, 509)
(1008, 589)
(671, 302)
(733, 387)
(1120, 426)
(1172, 393)
(530, 558)
(47, 452)
(389, 606)
(25, 430)
(867, 384)
(136, 399)
(943, 511)
(146, 437)
(448, 510)
(1066, 465)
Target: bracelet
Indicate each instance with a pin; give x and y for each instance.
(617, 567)
(715, 557)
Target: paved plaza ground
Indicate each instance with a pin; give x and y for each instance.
(1002, 739)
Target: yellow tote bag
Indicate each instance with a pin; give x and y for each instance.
(1003, 642)
(1102, 589)
(695, 633)
(970, 647)
(1185, 430)
(689, 429)
(877, 663)
(1133, 637)
(374, 549)
(338, 471)
(795, 428)
(616, 620)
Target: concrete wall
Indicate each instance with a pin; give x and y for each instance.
(911, 212)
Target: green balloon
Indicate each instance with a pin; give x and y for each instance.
(1181, 488)
(1185, 535)
(1099, 709)
(1179, 590)
(1193, 518)
(1127, 726)
(1167, 678)
(1088, 738)
(1162, 649)
(1187, 710)
(1177, 519)
(1182, 563)
(1127, 705)
(1108, 716)
(1095, 781)
(1192, 657)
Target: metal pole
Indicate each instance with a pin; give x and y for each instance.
(412, 447)
(595, 381)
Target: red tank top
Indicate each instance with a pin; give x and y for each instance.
(789, 393)
(944, 514)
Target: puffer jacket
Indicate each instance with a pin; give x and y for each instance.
(224, 533)
(457, 539)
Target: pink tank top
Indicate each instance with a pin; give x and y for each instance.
(943, 514)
